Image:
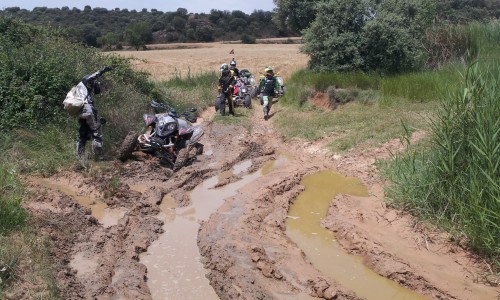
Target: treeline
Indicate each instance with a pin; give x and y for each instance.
(384, 36)
(100, 27)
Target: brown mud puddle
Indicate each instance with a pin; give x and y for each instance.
(173, 260)
(106, 216)
(319, 244)
(238, 239)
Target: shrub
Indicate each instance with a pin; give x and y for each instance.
(247, 39)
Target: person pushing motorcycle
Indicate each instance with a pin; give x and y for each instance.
(268, 86)
(89, 120)
(227, 81)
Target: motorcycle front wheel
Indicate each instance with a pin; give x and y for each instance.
(248, 101)
(221, 104)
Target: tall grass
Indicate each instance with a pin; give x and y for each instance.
(12, 215)
(192, 91)
(457, 180)
(422, 86)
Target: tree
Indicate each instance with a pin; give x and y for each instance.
(294, 15)
(108, 40)
(333, 40)
(138, 34)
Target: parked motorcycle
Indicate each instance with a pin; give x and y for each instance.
(169, 137)
(249, 79)
(242, 93)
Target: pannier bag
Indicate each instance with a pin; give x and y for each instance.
(75, 99)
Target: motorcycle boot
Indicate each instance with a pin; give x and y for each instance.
(80, 148)
(97, 146)
(266, 112)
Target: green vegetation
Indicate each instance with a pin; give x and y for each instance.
(455, 179)
(111, 29)
(37, 68)
(12, 215)
(452, 176)
(197, 91)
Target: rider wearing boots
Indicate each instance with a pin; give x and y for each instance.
(89, 120)
(227, 81)
(268, 86)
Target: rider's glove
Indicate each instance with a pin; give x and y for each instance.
(106, 69)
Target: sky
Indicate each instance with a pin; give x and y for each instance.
(193, 6)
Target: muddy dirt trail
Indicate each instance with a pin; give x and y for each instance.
(118, 232)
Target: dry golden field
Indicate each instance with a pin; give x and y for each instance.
(196, 58)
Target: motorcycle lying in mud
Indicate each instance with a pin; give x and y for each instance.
(169, 137)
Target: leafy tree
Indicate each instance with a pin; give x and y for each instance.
(204, 33)
(333, 40)
(108, 40)
(89, 34)
(388, 46)
(139, 34)
(179, 23)
(393, 41)
(295, 15)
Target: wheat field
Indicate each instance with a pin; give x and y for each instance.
(171, 60)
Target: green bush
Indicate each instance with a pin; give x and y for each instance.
(247, 39)
(38, 68)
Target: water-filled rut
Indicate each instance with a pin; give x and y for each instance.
(319, 245)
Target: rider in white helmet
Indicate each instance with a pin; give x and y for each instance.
(232, 66)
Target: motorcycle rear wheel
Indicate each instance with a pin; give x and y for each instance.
(128, 145)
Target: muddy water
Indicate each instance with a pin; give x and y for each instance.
(319, 245)
(173, 260)
(100, 210)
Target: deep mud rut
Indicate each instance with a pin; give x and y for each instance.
(243, 245)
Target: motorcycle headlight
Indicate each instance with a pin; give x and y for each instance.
(244, 90)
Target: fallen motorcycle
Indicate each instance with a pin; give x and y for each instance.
(169, 137)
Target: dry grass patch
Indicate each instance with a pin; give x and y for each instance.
(198, 58)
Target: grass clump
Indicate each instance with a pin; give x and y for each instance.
(12, 215)
(455, 181)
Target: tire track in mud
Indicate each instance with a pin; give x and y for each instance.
(243, 244)
(251, 258)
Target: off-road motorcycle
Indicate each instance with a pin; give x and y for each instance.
(242, 93)
(171, 138)
(249, 79)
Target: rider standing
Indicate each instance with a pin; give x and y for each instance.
(268, 86)
(232, 66)
(90, 122)
(227, 81)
